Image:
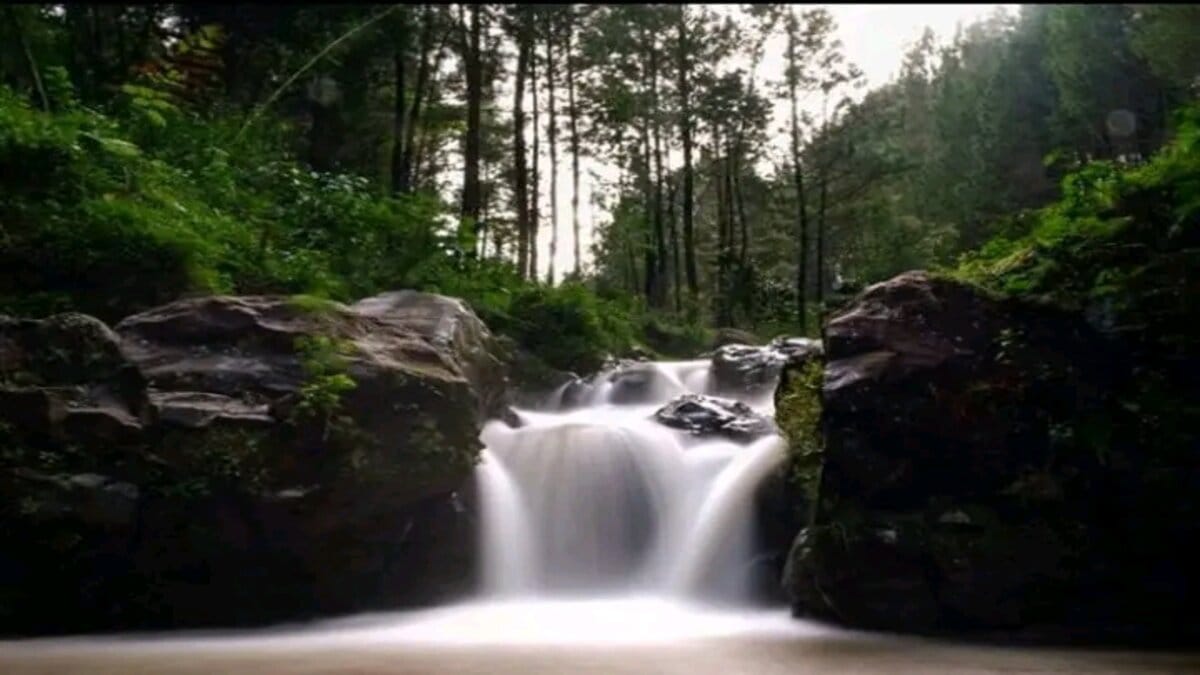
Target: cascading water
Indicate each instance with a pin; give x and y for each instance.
(599, 499)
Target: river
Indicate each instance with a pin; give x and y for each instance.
(611, 544)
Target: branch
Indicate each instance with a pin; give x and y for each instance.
(312, 62)
(29, 60)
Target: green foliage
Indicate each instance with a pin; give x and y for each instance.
(104, 224)
(324, 362)
(675, 339)
(313, 304)
(798, 413)
(219, 460)
(1102, 236)
(1120, 246)
(568, 326)
(1166, 37)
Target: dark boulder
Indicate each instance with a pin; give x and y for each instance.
(974, 474)
(866, 574)
(65, 378)
(706, 415)
(236, 497)
(740, 369)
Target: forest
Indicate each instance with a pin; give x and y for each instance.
(337, 151)
(312, 310)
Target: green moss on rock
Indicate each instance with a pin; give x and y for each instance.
(798, 415)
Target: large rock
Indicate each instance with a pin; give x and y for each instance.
(422, 364)
(242, 495)
(974, 477)
(65, 378)
(740, 369)
(707, 415)
(743, 369)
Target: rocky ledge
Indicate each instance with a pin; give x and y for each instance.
(229, 460)
(979, 473)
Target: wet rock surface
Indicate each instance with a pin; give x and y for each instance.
(973, 476)
(707, 415)
(740, 369)
(168, 473)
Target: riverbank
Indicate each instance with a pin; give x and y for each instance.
(387, 644)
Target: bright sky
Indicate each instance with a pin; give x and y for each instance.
(875, 38)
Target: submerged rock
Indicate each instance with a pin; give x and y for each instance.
(706, 415)
(636, 382)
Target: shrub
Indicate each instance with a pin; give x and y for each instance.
(568, 326)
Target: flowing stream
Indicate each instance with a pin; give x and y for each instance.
(610, 544)
(601, 501)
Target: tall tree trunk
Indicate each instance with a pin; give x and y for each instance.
(484, 226)
(30, 63)
(535, 192)
(425, 156)
(651, 249)
(521, 177)
(660, 240)
(635, 285)
(718, 168)
(552, 135)
(741, 212)
(798, 180)
(414, 114)
(399, 134)
(821, 202)
(474, 77)
(677, 286)
(573, 114)
(730, 221)
(683, 68)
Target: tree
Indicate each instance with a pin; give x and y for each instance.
(521, 30)
(684, 57)
(573, 119)
(552, 138)
(470, 37)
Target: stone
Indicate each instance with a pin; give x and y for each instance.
(231, 504)
(743, 369)
(66, 378)
(953, 493)
(707, 415)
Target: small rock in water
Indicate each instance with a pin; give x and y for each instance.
(745, 369)
(797, 350)
(703, 415)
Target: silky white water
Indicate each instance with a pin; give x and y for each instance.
(601, 501)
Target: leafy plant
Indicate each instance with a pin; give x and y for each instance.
(324, 362)
(798, 413)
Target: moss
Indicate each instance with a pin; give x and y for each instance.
(323, 359)
(217, 460)
(798, 414)
(313, 304)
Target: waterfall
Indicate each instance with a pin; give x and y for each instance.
(590, 496)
